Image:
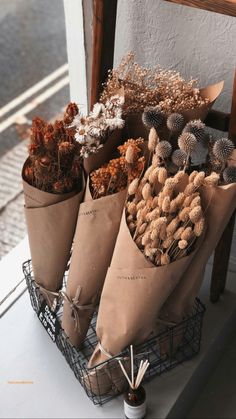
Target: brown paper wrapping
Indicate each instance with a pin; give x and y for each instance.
(220, 202)
(132, 296)
(135, 127)
(94, 161)
(51, 221)
(96, 232)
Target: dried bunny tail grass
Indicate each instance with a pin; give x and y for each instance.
(132, 208)
(152, 117)
(141, 229)
(162, 175)
(147, 173)
(182, 244)
(184, 214)
(173, 206)
(195, 214)
(172, 226)
(166, 204)
(175, 122)
(154, 234)
(153, 215)
(222, 149)
(155, 202)
(138, 241)
(168, 242)
(130, 218)
(163, 233)
(195, 202)
(190, 189)
(192, 175)
(133, 186)
(163, 149)
(152, 139)
(187, 142)
(153, 177)
(187, 234)
(197, 128)
(199, 227)
(178, 232)
(179, 176)
(229, 174)
(146, 191)
(130, 155)
(141, 204)
(155, 160)
(146, 238)
(165, 259)
(180, 199)
(199, 179)
(212, 179)
(131, 226)
(179, 157)
(159, 223)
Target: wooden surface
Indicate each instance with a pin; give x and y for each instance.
(226, 7)
(104, 24)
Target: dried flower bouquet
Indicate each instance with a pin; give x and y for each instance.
(151, 87)
(97, 228)
(53, 189)
(173, 219)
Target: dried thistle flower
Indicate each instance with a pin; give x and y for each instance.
(163, 149)
(197, 128)
(229, 174)
(152, 139)
(153, 117)
(179, 157)
(175, 122)
(222, 149)
(212, 179)
(195, 214)
(187, 142)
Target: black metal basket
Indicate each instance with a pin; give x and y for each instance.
(168, 348)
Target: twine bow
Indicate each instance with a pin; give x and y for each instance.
(47, 294)
(76, 307)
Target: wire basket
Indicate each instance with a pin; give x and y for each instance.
(169, 347)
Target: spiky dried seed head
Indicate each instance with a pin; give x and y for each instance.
(197, 128)
(182, 244)
(195, 214)
(222, 149)
(179, 157)
(146, 191)
(153, 117)
(152, 139)
(229, 174)
(162, 175)
(212, 179)
(133, 186)
(163, 149)
(175, 122)
(187, 142)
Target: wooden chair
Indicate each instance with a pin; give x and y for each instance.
(104, 18)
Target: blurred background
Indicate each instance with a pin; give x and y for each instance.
(34, 81)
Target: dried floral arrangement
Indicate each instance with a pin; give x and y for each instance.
(164, 211)
(150, 87)
(119, 172)
(92, 130)
(54, 163)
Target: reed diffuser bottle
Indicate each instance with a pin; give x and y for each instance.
(135, 397)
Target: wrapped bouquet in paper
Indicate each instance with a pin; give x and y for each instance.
(53, 189)
(154, 88)
(97, 228)
(99, 133)
(161, 230)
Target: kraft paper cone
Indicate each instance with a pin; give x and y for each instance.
(135, 127)
(51, 225)
(132, 296)
(220, 202)
(97, 228)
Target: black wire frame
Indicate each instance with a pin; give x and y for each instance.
(170, 347)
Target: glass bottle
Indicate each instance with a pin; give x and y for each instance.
(135, 403)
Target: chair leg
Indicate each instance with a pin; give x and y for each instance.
(221, 261)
